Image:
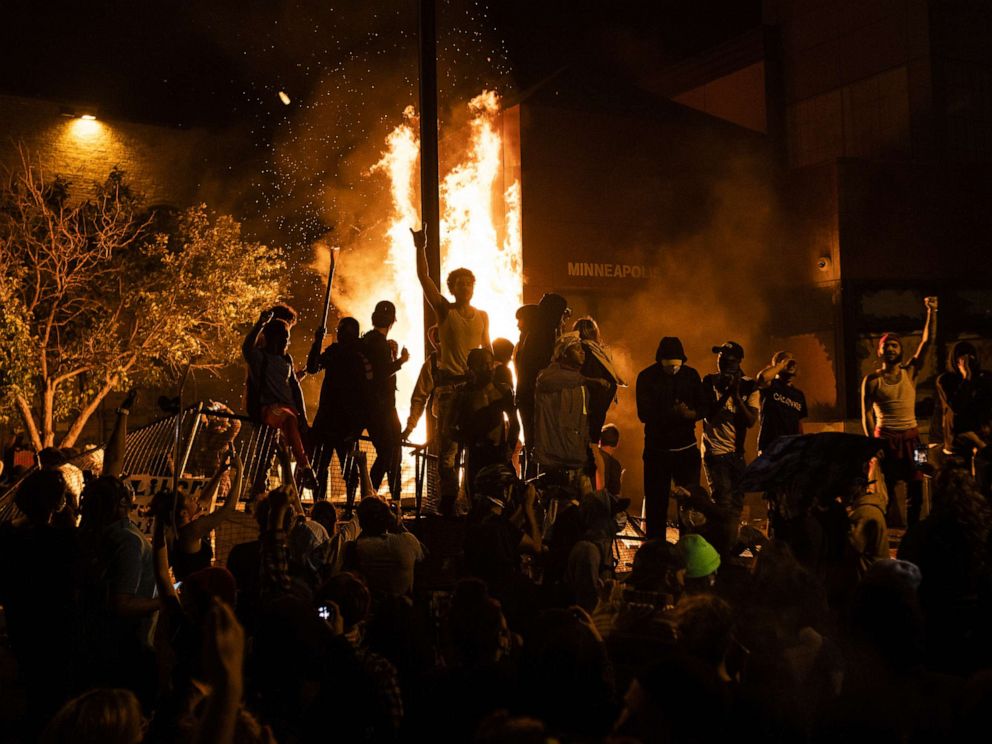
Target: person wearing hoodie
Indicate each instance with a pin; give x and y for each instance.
(599, 364)
(543, 330)
(561, 422)
(670, 400)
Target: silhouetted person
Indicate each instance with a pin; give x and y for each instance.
(485, 409)
(383, 422)
(670, 399)
(598, 363)
(345, 400)
(280, 398)
(461, 328)
(535, 355)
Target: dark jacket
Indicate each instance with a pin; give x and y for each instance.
(657, 393)
(344, 394)
(376, 349)
(539, 345)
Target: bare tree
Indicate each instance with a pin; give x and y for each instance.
(98, 295)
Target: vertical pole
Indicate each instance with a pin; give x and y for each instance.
(430, 209)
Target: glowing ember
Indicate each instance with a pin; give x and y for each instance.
(480, 230)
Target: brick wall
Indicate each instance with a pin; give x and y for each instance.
(165, 164)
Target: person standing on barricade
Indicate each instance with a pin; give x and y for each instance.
(461, 328)
(345, 400)
(534, 356)
(383, 422)
(275, 397)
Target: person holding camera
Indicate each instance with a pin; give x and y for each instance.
(733, 410)
(783, 405)
(888, 411)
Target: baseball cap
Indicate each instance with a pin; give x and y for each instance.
(731, 348)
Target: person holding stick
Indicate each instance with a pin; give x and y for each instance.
(461, 328)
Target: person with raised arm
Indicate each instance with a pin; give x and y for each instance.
(461, 328)
(888, 411)
(279, 399)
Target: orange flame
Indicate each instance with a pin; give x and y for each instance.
(480, 230)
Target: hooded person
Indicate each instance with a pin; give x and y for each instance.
(670, 400)
(598, 363)
(543, 331)
(561, 421)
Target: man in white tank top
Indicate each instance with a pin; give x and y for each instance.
(461, 328)
(888, 411)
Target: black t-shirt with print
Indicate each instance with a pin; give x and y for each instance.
(782, 407)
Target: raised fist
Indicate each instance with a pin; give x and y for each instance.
(930, 303)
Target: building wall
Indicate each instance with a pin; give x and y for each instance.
(164, 164)
(857, 78)
(738, 97)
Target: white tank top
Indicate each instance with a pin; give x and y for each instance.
(894, 403)
(458, 336)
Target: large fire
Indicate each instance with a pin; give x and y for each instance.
(480, 230)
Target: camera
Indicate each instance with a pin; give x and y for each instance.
(919, 455)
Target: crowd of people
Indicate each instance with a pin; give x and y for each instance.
(325, 627)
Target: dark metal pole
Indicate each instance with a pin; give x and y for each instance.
(430, 208)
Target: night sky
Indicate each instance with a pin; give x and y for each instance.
(222, 62)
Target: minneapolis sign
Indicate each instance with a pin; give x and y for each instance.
(612, 270)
